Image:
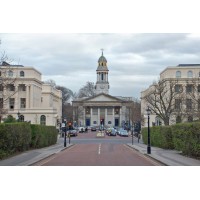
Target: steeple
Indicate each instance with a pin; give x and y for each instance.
(102, 84)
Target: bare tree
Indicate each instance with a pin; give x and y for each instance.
(88, 90)
(161, 99)
(7, 80)
(51, 82)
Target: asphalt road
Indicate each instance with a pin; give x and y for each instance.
(91, 151)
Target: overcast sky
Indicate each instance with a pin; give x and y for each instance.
(134, 60)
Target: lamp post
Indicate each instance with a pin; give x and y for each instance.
(132, 133)
(65, 140)
(149, 142)
(18, 115)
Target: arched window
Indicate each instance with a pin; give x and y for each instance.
(102, 77)
(189, 74)
(21, 74)
(21, 118)
(178, 119)
(43, 120)
(178, 74)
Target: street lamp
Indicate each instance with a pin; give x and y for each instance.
(18, 115)
(149, 143)
(65, 140)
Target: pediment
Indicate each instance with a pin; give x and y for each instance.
(102, 97)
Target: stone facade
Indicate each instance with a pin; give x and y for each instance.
(101, 109)
(186, 100)
(31, 99)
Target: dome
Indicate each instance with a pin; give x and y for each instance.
(102, 59)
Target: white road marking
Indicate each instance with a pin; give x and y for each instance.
(99, 148)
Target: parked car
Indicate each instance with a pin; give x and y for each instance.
(108, 131)
(119, 131)
(112, 132)
(73, 132)
(93, 128)
(81, 129)
(124, 133)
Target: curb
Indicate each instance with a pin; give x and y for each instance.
(52, 154)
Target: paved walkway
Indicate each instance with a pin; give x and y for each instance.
(32, 156)
(167, 157)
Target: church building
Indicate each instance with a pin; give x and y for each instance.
(102, 108)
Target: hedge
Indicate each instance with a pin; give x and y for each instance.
(14, 137)
(163, 140)
(19, 137)
(43, 136)
(184, 137)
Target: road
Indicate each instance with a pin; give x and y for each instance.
(91, 151)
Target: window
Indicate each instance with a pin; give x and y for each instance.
(198, 88)
(1, 87)
(11, 103)
(188, 104)
(1, 102)
(189, 74)
(11, 87)
(178, 74)
(87, 110)
(189, 88)
(109, 122)
(102, 77)
(21, 73)
(94, 122)
(178, 119)
(21, 118)
(198, 104)
(10, 73)
(43, 120)
(109, 111)
(95, 111)
(178, 88)
(22, 87)
(177, 104)
(23, 103)
(116, 111)
(190, 119)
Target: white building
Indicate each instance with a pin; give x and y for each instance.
(101, 109)
(182, 83)
(23, 95)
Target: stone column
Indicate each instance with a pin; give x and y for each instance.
(106, 123)
(91, 118)
(31, 96)
(98, 122)
(84, 116)
(113, 121)
(27, 97)
(17, 99)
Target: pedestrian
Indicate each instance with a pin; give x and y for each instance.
(138, 137)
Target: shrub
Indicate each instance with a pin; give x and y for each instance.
(14, 137)
(43, 136)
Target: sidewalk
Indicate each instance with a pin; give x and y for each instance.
(167, 157)
(32, 156)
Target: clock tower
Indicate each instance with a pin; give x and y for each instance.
(102, 84)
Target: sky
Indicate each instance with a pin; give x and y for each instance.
(134, 60)
(62, 39)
